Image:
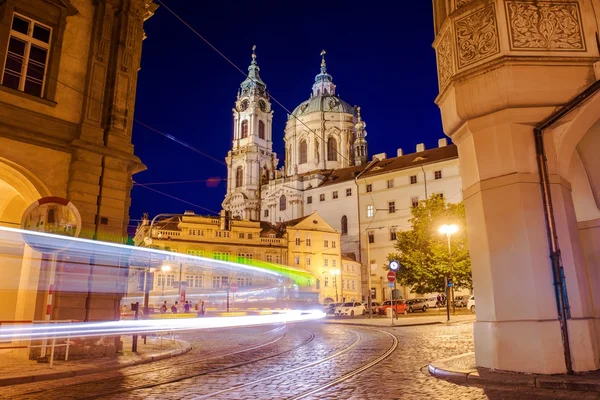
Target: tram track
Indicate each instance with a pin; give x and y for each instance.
(147, 370)
(45, 395)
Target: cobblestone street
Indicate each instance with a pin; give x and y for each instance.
(292, 362)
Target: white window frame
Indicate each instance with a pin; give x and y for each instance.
(370, 211)
(29, 40)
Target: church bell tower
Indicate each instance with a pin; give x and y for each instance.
(251, 161)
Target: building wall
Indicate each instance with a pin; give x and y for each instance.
(383, 222)
(73, 140)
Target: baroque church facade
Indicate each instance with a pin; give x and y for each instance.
(324, 133)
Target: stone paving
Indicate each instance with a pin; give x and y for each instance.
(290, 363)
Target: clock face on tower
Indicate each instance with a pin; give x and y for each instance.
(262, 105)
(244, 105)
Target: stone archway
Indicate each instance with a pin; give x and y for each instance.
(20, 270)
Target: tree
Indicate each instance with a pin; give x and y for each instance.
(423, 252)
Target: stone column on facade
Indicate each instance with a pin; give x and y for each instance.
(492, 94)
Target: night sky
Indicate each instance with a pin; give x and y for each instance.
(380, 57)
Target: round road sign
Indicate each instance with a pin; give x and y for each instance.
(233, 287)
(391, 276)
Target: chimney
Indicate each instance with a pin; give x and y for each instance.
(443, 142)
(420, 147)
(400, 153)
(380, 156)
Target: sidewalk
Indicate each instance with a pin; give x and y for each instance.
(461, 369)
(402, 321)
(15, 369)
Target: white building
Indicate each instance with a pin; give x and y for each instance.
(327, 170)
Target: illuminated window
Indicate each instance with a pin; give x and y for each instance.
(239, 177)
(303, 156)
(370, 211)
(27, 56)
(244, 129)
(344, 225)
(282, 203)
(261, 130)
(331, 149)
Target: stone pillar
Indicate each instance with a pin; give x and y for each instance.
(499, 75)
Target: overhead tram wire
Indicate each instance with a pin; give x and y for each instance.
(161, 2)
(219, 179)
(45, 74)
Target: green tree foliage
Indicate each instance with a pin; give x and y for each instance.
(423, 250)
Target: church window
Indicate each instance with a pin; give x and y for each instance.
(344, 225)
(261, 130)
(303, 156)
(282, 203)
(331, 149)
(239, 177)
(244, 128)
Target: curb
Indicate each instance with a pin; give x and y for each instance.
(440, 370)
(384, 326)
(19, 380)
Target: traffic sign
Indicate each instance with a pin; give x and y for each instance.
(391, 276)
(233, 287)
(394, 265)
(391, 284)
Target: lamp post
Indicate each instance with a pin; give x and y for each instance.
(163, 269)
(449, 230)
(335, 273)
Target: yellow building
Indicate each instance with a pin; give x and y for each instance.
(307, 245)
(315, 246)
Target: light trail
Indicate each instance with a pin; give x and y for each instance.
(128, 327)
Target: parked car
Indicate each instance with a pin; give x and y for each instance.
(329, 308)
(419, 304)
(351, 309)
(374, 306)
(471, 304)
(461, 301)
(431, 302)
(399, 307)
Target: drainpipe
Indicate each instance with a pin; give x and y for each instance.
(560, 287)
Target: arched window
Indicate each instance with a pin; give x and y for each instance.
(261, 130)
(344, 225)
(51, 219)
(303, 156)
(239, 177)
(244, 128)
(331, 149)
(282, 203)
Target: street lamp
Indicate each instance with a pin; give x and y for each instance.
(449, 230)
(164, 268)
(335, 273)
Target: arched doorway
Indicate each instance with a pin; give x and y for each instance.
(20, 271)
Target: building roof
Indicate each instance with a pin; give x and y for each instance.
(349, 257)
(323, 103)
(412, 160)
(169, 224)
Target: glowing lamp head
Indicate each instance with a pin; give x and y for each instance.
(335, 272)
(448, 229)
(165, 268)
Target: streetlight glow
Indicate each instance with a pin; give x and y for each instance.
(165, 268)
(449, 229)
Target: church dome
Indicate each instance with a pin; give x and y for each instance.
(323, 103)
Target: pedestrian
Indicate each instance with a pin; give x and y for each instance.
(439, 300)
(202, 310)
(186, 307)
(174, 308)
(163, 308)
